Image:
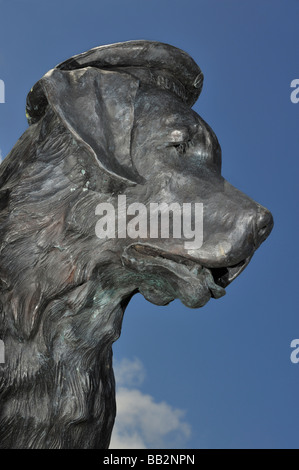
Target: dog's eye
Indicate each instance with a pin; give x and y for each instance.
(181, 147)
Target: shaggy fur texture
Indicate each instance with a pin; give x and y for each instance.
(57, 319)
(63, 291)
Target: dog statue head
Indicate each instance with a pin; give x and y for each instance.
(99, 199)
(129, 105)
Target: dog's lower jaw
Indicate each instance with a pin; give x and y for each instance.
(163, 277)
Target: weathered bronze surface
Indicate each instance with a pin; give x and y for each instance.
(116, 120)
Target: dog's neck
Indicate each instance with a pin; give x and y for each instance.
(66, 371)
(63, 296)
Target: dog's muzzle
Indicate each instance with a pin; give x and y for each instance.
(147, 259)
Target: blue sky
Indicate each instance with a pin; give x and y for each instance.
(220, 376)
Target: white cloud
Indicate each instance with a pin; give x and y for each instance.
(129, 373)
(141, 422)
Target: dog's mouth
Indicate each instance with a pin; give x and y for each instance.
(143, 257)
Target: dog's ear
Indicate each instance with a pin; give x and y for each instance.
(97, 107)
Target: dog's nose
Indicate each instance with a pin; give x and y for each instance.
(264, 224)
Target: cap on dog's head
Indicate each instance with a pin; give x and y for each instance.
(94, 94)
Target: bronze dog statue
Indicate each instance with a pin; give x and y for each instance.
(114, 121)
